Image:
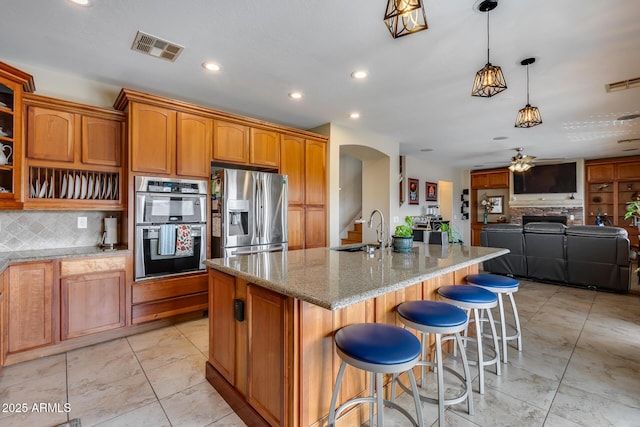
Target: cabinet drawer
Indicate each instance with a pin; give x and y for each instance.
(169, 307)
(169, 288)
(73, 267)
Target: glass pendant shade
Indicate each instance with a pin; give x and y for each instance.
(489, 81)
(404, 17)
(520, 166)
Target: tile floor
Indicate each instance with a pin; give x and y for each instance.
(580, 367)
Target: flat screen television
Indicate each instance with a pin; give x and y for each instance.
(559, 178)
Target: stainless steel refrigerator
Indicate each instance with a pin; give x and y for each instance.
(248, 212)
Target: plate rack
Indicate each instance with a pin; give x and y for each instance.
(72, 184)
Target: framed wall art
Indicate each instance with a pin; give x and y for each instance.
(431, 192)
(413, 191)
(496, 204)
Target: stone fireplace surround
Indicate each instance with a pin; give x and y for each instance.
(575, 212)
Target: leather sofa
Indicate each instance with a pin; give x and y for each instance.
(591, 256)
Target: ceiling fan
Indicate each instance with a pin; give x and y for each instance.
(521, 162)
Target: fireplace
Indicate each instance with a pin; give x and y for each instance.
(544, 218)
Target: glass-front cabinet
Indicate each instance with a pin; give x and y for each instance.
(13, 83)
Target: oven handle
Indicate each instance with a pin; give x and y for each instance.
(278, 248)
(157, 227)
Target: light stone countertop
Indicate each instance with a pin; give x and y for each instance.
(8, 258)
(335, 279)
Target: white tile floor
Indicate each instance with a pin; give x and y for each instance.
(580, 367)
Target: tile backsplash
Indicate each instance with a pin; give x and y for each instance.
(27, 230)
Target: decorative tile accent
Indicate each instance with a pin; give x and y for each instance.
(28, 230)
(518, 212)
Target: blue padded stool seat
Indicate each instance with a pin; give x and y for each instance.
(438, 318)
(492, 281)
(379, 349)
(476, 299)
(502, 285)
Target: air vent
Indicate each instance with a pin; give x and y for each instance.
(623, 85)
(154, 46)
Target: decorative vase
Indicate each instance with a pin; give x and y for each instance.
(402, 244)
(485, 217)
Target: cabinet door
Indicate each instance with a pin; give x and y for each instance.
(153, 138)
(222, 329)
(628, 170)
(295, 219)
(193, 148)
(230, 142)
(292, 164)
(50, 134)
(315, 172)
(92, 303)
(264, 148)
(479, 181)
(315, 227)
(268, 354)
(30, 305)
(498, 179)
(101, 141)
(600, 173)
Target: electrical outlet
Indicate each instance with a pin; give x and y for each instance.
(396, 220)
(82, 222)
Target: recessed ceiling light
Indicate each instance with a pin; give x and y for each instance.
(211, 66)
(500, 138)
(359, 74)
(354, 115)
(295, 95)
(629, 117)
(426, 150)
(80, 2)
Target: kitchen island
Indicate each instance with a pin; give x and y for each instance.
(272, 317)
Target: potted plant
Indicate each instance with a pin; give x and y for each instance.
(633, 211)
(403, 236)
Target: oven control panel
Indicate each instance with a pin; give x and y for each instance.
(170, 185)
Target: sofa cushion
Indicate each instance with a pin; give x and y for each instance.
(545, 228)
(596, 231)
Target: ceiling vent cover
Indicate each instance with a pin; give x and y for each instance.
(154, 46)
(623, 85)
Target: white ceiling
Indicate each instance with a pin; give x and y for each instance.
(418, 90)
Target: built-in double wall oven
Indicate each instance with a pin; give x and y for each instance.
(171, 229)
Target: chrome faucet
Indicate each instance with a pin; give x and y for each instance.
(380, 231)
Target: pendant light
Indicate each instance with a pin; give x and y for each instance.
(489, 80)
(528, 116)
(404, 17)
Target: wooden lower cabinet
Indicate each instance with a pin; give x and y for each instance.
(269, 361)
(158, 299)
(222, 325)
(315, 227)
(92, 303)
(30, 306)
(295, 220)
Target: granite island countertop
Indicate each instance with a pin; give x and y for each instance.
(336, 279)
(8, 258)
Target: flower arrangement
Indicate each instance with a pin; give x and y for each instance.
(487, 203)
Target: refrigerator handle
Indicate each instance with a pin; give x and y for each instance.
(260, 208)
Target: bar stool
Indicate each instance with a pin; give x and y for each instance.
(379, 349)
(438, 318)
(501, 285)
(476, 299)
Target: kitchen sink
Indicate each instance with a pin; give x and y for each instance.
(356, 247)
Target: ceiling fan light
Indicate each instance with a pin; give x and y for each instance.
(404, 17)
(528, 117)
(489, 81)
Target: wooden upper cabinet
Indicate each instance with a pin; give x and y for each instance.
(230, 142)
(193, 148)
(101, 141)
(600, 173)
(30, 303)
(292, 164)
(50, 134)
(315, 172)
(490, 179)
(629, 170)
(264, 148)
(153, 138)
